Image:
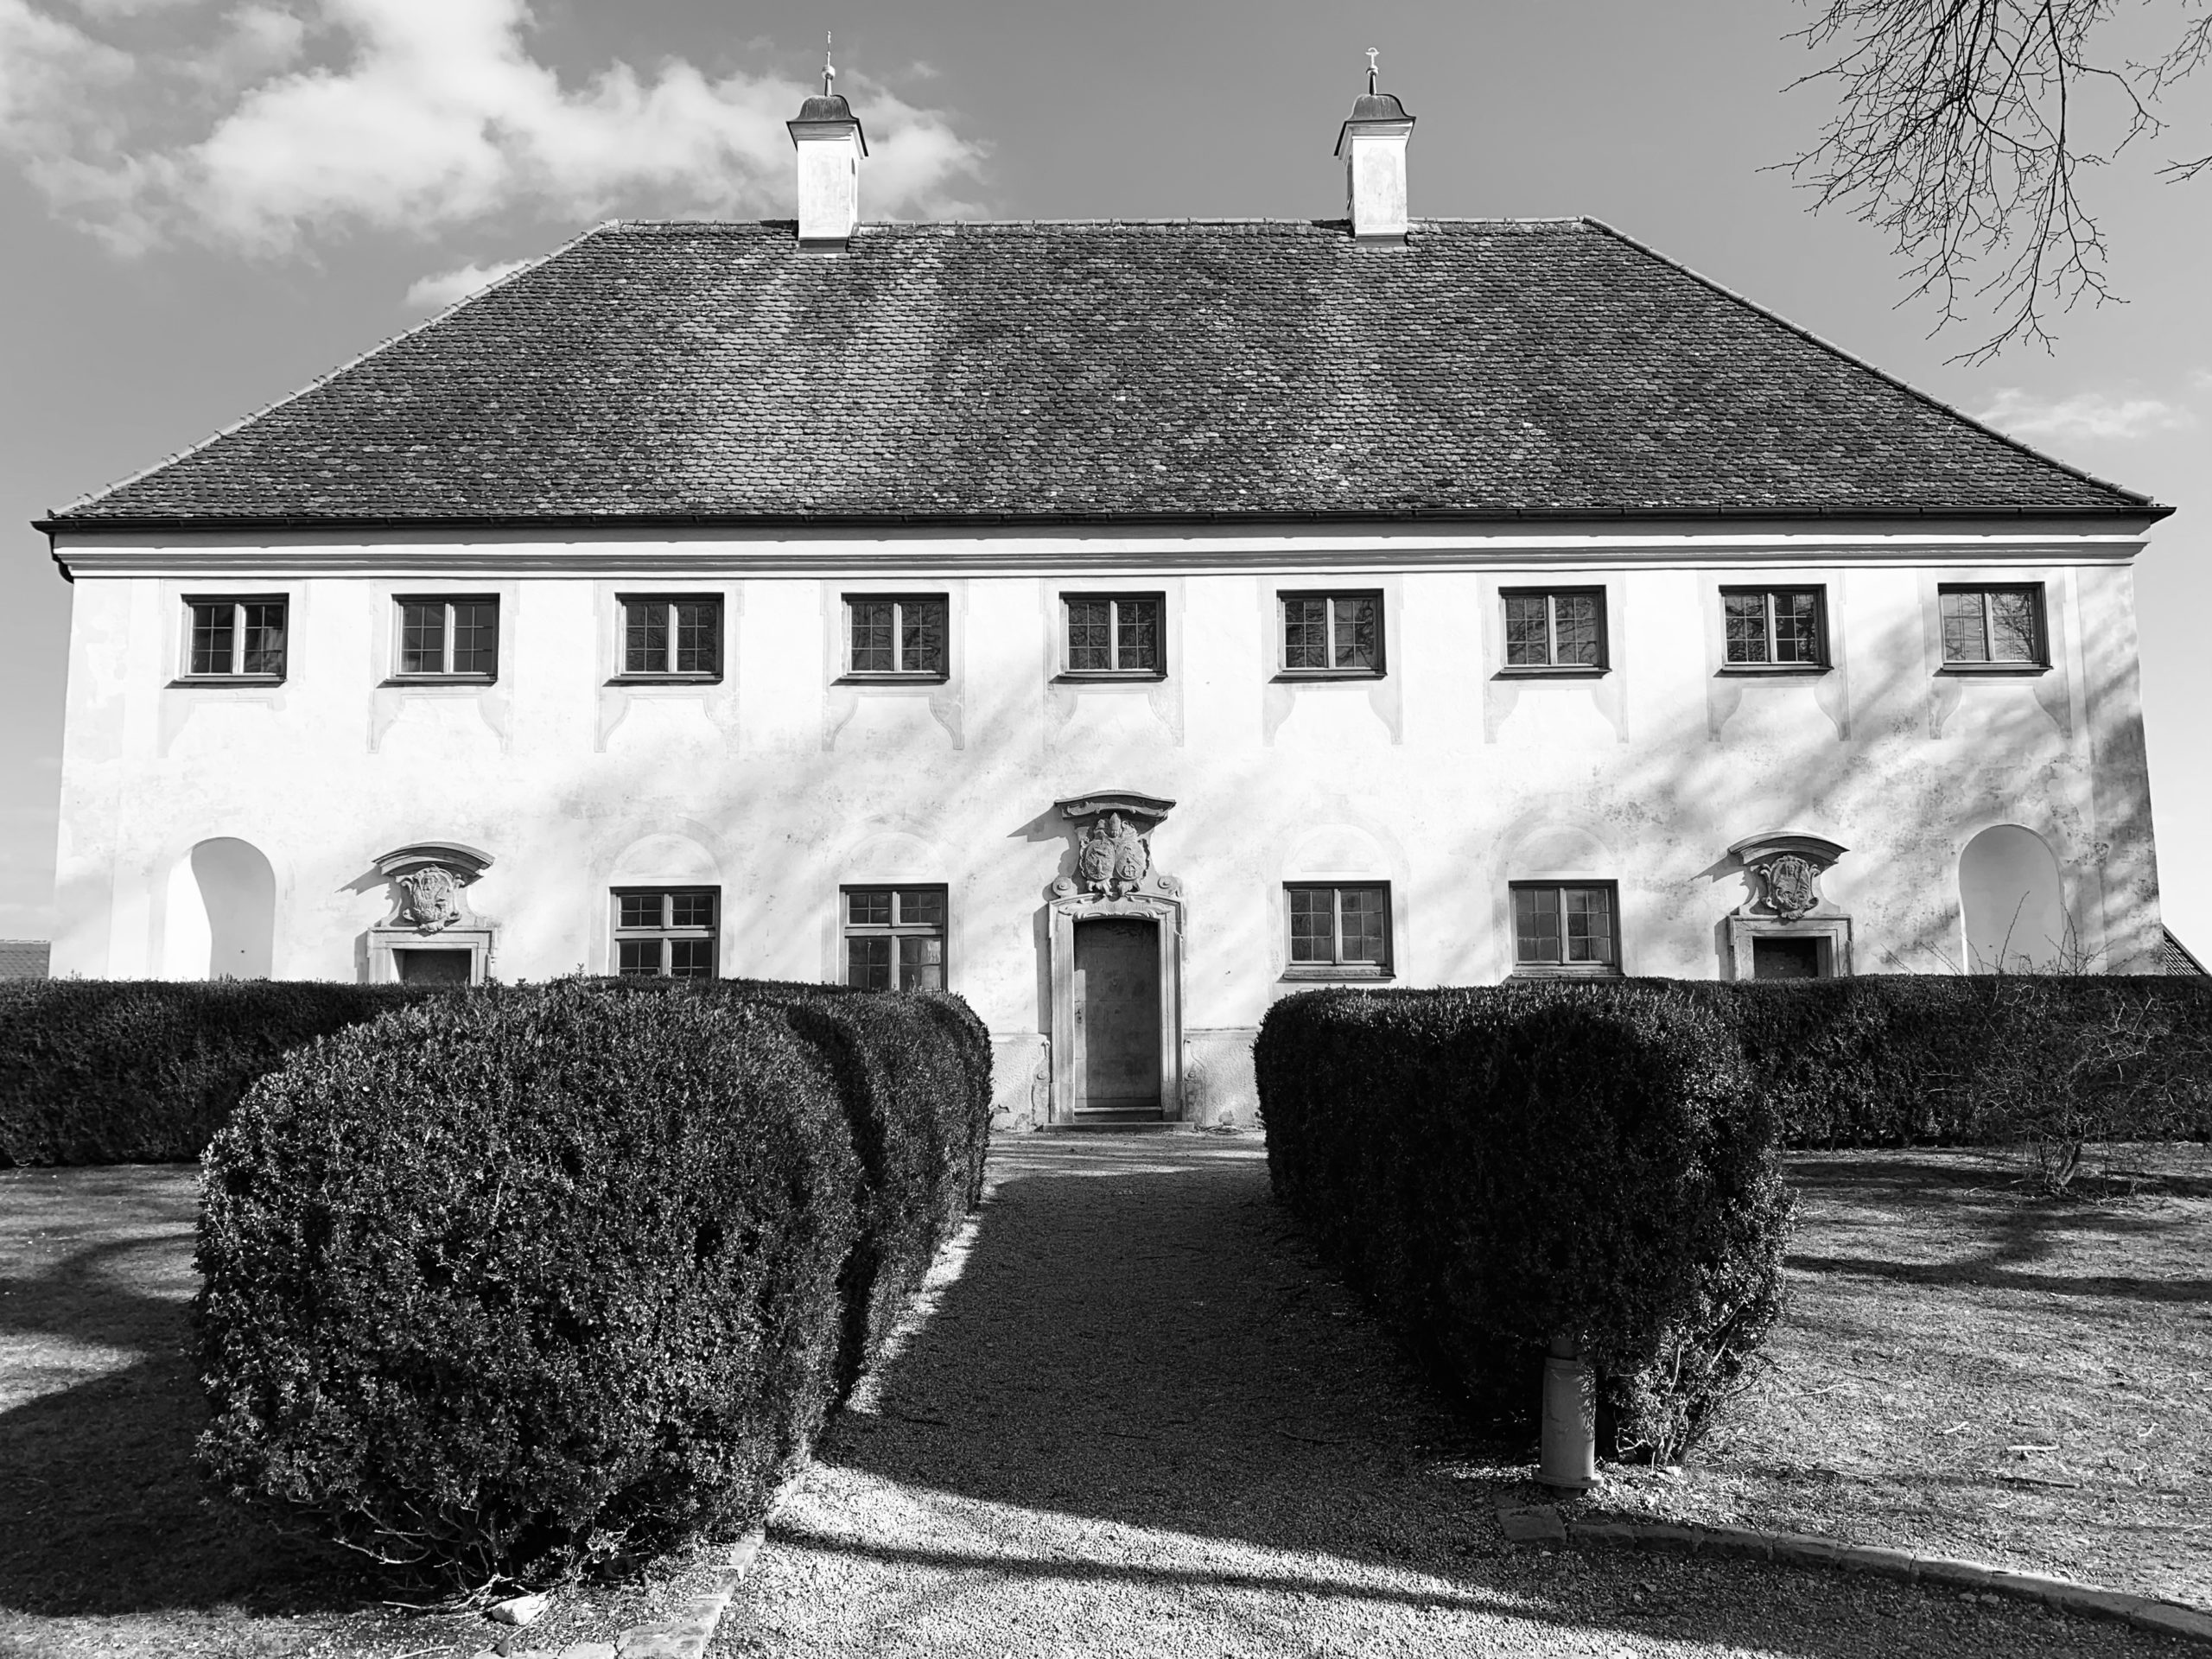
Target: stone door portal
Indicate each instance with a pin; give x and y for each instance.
(1117, 1019)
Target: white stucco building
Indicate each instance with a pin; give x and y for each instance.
(1120, 623)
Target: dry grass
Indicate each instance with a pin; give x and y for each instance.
(1970, 1369)
(109, 1545)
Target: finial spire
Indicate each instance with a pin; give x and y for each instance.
(829, 69)
(1371, 56)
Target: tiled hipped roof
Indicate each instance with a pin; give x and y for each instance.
(1102, 370)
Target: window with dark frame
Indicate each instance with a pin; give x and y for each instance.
(1339, 928)
(675, 637)
(1555, 628)
(1992, 627)
(1775, 627)
(896, 636)
(666, 933)
(448, 638)
(236, 638)
(1331, 633)
(1566, 927)
(894, 938)
(1113, 633)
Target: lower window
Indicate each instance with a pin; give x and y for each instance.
(1565, 928)
(666, 931)
(894, 938)
(1340, 929)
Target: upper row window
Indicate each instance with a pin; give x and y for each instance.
(1560, 630)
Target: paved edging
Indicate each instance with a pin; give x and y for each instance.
(1542, 1523)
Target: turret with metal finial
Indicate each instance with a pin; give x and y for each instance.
(830, 144)
(1372, 145)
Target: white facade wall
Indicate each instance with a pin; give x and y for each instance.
(778, 784)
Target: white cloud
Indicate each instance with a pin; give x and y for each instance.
(306, 120)
(450, 287)
(2085, 416)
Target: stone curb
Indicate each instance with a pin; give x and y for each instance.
(1535, 1523)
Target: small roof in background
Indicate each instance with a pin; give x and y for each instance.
(2174, 956)
(24, 958)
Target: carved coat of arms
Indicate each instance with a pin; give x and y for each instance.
(1792, 886)
(1113, 857)
(433, 898)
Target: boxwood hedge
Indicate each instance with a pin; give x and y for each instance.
(1497, 1168)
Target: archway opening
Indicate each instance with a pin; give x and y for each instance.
(237, 891)
(2014, 904)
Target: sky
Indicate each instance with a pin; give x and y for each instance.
(207, 203)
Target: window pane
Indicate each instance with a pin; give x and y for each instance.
(1528, 632)
(691, 909)
(1139, 620)
(644, 642)
(691, 958)
(1305, 634)
(2012, 631)
(476, 636)
(264, 638)
(922, 636)
(872, 640)
(698, 636)
(1535, 924)
(211, 637)
(1355, 626)
(1747, 614)
(1090, 634)
(1962, 639)
(1312, 932)
(869, 907)
(1797, 627)
(1362, 909)
(867, 963)
(921, 963)
(638, 957)
(921, 907)
(1589, 924)
(421, 638)
(1578, 645)
(641, 909)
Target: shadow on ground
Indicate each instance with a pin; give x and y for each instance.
(1139, 1339)
(100, 1510)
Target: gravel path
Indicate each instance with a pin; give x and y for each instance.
(1141, 1419)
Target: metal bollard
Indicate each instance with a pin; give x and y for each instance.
(1570, 1439)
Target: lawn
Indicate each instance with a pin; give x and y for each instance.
(109, 1545)
(1968, 1368)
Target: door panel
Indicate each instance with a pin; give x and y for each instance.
(1117, 1015)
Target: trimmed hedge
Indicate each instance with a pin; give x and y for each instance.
(144, 1071)
(499, 1287)
(1900, 1059)
(510, 1283)
(1498, 1168)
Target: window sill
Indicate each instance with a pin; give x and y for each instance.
(457, 680)
(891, 679)
(1108, 675)
(1340, 974)
(666, 679)
(1995, 671)
(1293, 676)
(1576, 673)
(1561, 970)
(1774, 670)
(200, 680)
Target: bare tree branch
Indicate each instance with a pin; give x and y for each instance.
(1964, 130)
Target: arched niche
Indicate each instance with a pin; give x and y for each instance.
(1336, 849)
(889, 855)
(222, 920)
(667, 859)
(2012, 903)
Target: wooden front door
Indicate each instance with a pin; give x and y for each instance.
(1117, 1017)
